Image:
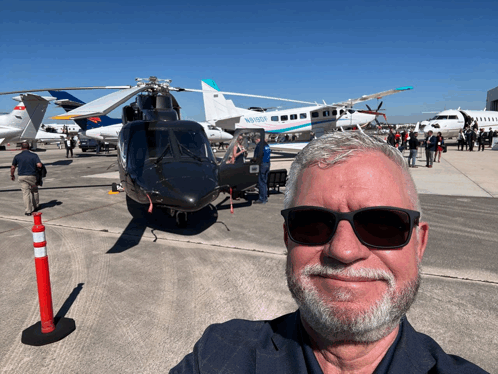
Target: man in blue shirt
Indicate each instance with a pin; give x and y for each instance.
(27, 164)
(264, 169)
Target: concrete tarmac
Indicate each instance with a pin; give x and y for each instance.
(142, 291)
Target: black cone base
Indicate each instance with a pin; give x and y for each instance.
(33, 335)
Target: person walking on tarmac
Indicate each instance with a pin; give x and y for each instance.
(430, 148)
(473, 139)
(439, 147)
(27, 164)
(264, 169)
(481, 138)
(413, 146)
(69, 144)
(490, 137)
(461, 139)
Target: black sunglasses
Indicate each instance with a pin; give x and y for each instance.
(381, 227)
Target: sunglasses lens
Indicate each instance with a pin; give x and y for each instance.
(382, 227)
(309, 226)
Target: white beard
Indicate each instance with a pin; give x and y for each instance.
(339, 324)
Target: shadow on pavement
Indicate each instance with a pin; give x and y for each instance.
(68, 303)
(80, 155)
(160, 220)
(49, 204)
(60, 163)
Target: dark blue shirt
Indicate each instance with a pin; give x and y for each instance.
(314, 367)
(266, 151)
(26, 163)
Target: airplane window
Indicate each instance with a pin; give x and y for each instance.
(452, 117)
(302, 115)
(334, 112)
(293, 116)
(315, 114)
(441, 117)
(351, 111)
(274, 118)
(341, 112)
(326, 113)
(284, 118)
(436, 126)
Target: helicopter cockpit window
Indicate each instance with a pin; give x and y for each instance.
(193, 145)
(158, 144)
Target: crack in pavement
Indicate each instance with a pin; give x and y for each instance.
(459, 278)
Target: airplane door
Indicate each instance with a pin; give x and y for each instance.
(239, 168)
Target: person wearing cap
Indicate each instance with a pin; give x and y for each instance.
(27, 163)
(413, 147)
(355, 241)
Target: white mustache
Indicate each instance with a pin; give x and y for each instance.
(367, 273)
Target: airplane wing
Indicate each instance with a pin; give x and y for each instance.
(379, 95)
(288, 147)
(103, 105)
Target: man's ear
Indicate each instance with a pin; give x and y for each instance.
(423, 235)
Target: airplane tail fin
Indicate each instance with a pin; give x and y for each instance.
(28, 114)
(68, 102)
(216, 106)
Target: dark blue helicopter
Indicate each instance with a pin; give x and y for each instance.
(166, 162)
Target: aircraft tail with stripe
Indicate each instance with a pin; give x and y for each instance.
(68, 102)
(216, 106)
(25, 120)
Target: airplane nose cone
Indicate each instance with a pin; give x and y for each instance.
(226, 136)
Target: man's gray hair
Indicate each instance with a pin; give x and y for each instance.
(336, 147)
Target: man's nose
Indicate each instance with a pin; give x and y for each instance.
(345, 246)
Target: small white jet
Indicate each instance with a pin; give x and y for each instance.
(316, 118)
(25, 120)
(449, 122)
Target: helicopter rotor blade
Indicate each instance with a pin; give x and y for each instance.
(103, 105)
(239, 94)
(68, 89)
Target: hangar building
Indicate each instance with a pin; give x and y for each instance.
(492, 99)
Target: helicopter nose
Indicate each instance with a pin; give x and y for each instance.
(189, 194)
(189, 188)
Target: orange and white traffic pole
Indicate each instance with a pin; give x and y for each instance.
(43, 276)
(45, 331)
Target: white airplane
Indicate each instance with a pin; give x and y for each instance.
(449, 122)
(58, 128)
(110, 133)
(25, 120)
(316, 118)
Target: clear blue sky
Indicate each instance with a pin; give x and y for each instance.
(312, 51)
